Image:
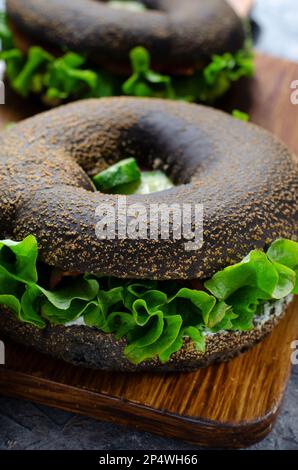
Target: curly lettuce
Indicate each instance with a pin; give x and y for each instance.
(155, 317)
(70, 76)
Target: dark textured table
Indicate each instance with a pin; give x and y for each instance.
(27, 426)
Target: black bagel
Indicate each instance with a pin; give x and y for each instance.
(244, 177)
(176, 33)
(88, 347)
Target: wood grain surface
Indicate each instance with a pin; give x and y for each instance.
(228, 405)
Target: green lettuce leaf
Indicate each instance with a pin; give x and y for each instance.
(30, 306)
(12, 303)
(81, 288)
(25, 81)
(121, 173)
(5, 33)
(159, 339)
(144, 81)
(18, 259)
(127, 5)
(76, 309)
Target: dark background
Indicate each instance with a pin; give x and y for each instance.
(24, 425)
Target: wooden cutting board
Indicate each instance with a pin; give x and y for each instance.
(228, 405)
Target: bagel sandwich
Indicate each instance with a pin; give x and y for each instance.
(141, 303)
(63, 51)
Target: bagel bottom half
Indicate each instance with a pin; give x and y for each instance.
(90, 348)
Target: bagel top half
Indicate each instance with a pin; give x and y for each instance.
(176, 33)
(243, 176)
